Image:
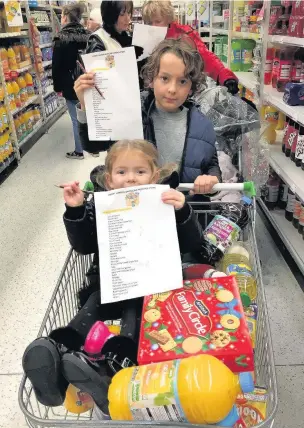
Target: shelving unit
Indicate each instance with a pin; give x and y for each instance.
(266, 94)
(24, 142)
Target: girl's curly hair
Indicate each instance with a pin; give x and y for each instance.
(185, 49)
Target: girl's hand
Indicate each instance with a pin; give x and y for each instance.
(204, 184)
(85, 81)
(73, 195)
(175, 198)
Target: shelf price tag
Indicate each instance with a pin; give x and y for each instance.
(13, 13)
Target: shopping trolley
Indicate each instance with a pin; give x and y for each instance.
(64, 306)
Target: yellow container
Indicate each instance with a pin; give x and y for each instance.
(23, 89)
(12, 59)
(11, 95)
(17, 93)
(76, 401)
(201, 389)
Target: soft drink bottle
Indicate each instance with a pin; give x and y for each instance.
(290, 205)
(275, 67)
(286, 125)
(296, 67)
(296, 212)
(291, 133)
(294, 142)
(268, 66)
(299, 156)
(284, 69)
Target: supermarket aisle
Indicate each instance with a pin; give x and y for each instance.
(33, 247)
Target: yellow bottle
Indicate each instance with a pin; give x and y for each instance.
(37, 115)
(272, 117)
(17, 93)
(1, 94)
(28, 121)
(12, 59)
(281, 121)
(4, 60)
(201, 389)
(17, 54)
(22, 125)
(77, 401)
(29, 84)
(25, 53)
(23, 90)
(11, 96)
(18, 127)
(3, 117)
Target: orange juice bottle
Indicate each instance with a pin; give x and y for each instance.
(12, 59)
(23, 89)
(37, 115)
(25, 53)
(11, 95)
(16, 48)
(22, 125)
(28, 121)
(18, 127)
(1, 94)
(4, 60)
(3, 116)
(17, 93)
(198, 390)
(29, 84)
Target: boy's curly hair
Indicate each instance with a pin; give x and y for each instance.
(185, 49)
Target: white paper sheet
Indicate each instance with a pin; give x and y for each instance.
(138, 244)
(118, 115)
(148, 37)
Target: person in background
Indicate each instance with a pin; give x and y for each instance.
(95, 20)
(162, 14)
(72, 38)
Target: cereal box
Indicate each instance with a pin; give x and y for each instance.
(206, 316)
(252, 407)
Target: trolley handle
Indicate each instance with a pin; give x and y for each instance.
(247, 186)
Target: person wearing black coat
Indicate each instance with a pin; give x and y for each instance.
(72, 38)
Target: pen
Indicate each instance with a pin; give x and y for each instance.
(84, 70)
(88, 192)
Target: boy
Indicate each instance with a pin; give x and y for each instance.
(181, 133)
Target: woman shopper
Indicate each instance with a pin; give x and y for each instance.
(72, 38)
(95, 20)
(162, 14)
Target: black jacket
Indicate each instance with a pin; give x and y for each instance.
(199, 154)
(80, 224)
(72, 38)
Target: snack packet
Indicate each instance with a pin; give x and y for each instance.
(252, 407)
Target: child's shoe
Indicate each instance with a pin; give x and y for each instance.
(41, 364)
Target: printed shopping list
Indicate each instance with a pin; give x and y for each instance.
(147, 37)
(138, 244)
(116, 115)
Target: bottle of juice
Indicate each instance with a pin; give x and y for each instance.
(37, 115)
(236, 55)
(23, 88)
(1, 94)
(4, 116)
(23, 125)
(11, 95)
(272, 117)
(12, 59)
(4, 60)
(29, 84)
(28, 121)
(18, 127)
(25, 53)
(17, 93)
(16, 48)
(178, 387)
(281, 122)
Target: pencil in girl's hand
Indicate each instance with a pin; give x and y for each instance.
(84, 70)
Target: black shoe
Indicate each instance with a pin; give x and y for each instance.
(74, 155)
(41, 363)
(88, 377)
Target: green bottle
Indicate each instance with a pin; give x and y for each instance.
(247, 54)
(218, 47)
(225, 49)
(236, 52)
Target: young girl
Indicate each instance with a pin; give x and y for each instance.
(181, 133)
(128, 163)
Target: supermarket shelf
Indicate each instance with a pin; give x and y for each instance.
(35, 128)
(287, 232)
(7, 163)
(45, 45)
(61, 110)
(27, 67)
(204, 30)
(219, 31)
(246, 35)
(247, 79)
(39, 7)
(9, 35)
(46, 63)
(48, 92)
(287, 170)
(57, 8)
(29, 101)
(287, 40)
(44, 24)
(275, 98)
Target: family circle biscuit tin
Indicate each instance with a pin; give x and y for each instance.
(206, 316)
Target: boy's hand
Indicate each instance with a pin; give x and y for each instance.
(204, 184)
(85, 81)
(73, 195)
(175, 198)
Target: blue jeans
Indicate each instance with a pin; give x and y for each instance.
(71, 104)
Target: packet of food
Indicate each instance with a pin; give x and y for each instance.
(251, 313)
(252, 407)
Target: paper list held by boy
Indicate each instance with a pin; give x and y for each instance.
(138, 244)
(116, 115)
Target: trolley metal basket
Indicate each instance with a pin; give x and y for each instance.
(63, 307)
